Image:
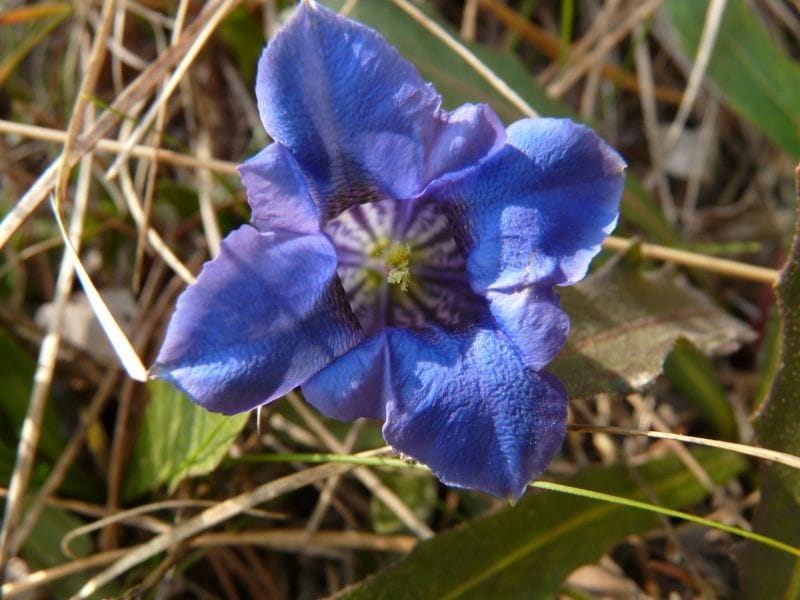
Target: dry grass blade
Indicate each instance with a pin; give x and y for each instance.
(287, 540)
(122, 346)
(559, 87)
(177, 159)
(29, 437)
(31, 430)
(716, 9)
(137, 91)
(763, 453)
(209, 518)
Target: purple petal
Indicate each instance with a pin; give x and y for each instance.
(354, 385)
(536, 212)
(263, 316)
(533, 320)
(277, 192)
(359, 120)
(464, 404)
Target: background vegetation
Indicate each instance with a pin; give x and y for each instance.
(127, 119)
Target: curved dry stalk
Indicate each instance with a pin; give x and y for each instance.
(788, 460)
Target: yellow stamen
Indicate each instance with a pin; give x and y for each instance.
(396, 260)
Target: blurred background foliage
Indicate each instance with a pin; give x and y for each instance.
(701, 97)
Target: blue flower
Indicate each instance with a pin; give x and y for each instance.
(401, 260)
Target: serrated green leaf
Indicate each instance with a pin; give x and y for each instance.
(777, 426)
(177, 439)
(777, 423)
(756, 78)
(625, 322)
(527, 551)
(767, 572)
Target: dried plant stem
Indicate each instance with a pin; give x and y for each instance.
(763, 453)
(708, 38)
(723, 266)
(467, 56)
(550, 46)
(205, 194)
(559, 87)
(224, 7)
(364, 475)
(177, 159)
(152, 172)
(287, 540)
(31, 428)
(193, 38)
(65, 460)
(210, 518)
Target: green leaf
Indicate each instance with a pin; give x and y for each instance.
(625, 322)
(693, 375)
(777, 423)
(178, 439)
(777, 426)
(43, 548)
(416, 491)
(528, 550)
(756, 78)
(16, 376)
(767, 572)
(243, 36)
(640, 208)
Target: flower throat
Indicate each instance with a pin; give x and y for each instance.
(400, 266)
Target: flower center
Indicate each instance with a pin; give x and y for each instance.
(400, 266)
(396, 258)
